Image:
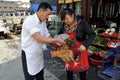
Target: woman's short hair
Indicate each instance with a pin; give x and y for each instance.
(66, 11)
(44, 6)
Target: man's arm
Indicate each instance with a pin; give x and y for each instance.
(43, 39)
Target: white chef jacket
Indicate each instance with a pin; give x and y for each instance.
(33, 49)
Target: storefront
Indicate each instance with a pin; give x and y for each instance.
(92, 8)
(81, 7)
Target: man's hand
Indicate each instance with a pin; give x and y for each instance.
(81, 48)
(60, 41)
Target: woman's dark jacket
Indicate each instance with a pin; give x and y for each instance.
(84, 33)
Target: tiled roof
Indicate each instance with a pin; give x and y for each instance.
(52, 2)
(7, 4)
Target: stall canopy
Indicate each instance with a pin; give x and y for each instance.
(34, 7)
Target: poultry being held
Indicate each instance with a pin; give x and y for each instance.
(73, 59)
(64, 53)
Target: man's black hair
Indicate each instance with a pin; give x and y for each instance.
(44, 6)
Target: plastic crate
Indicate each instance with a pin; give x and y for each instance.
(111, 73)
(115, 50)
(97, 60)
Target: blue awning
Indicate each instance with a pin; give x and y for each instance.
(54, 7)
(34, 7)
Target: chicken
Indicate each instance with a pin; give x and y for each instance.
(64, 53)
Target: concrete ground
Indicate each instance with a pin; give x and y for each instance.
(11, 68)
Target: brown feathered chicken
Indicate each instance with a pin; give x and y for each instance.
(64, 53)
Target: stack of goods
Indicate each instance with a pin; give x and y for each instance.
(113, 43)
(97, 39)
(103, 42)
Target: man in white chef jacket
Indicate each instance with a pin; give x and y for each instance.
(34, 35)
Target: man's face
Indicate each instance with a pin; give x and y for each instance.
(43, 15)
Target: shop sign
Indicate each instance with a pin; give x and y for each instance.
(77, 0)
(66, 1)
(60, 1)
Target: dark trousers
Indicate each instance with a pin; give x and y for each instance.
(39, 76)
(70, 75)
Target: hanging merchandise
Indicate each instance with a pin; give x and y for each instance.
(108, 10)
(112, 9)
(78, 6)
(100, 8)
(63, 6)
(98, 14)
(70, 6)
(91, 8)
(119, 7)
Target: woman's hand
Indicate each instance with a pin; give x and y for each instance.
(81, 48)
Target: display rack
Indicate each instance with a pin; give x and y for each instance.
(106, 47)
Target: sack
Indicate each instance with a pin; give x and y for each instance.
(80, 64)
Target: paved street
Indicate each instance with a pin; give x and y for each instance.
(11, 68)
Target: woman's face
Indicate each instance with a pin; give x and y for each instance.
(69, 19)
